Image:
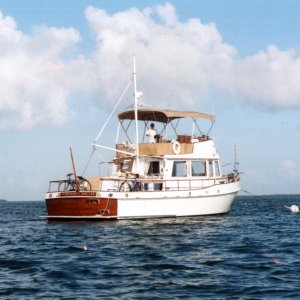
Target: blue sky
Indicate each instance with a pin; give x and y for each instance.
(63, 65)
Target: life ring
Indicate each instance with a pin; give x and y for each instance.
(176, 147)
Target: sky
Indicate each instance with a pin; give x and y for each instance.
(64, 65)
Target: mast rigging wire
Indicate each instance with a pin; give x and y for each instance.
(105, 124)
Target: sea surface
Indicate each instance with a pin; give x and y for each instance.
(253, 252)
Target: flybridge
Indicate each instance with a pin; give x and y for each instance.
(168, 119)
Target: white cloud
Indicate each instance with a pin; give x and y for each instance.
(33, 85)
(270, 77)
(179, 63)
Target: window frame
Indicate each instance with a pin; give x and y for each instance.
(217, 168)
(204, 164)
(184, 162)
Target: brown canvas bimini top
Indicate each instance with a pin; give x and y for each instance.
(164, 116)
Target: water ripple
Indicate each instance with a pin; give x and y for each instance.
(250, 253)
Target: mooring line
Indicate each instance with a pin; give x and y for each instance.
(254, 195)
(296, 208)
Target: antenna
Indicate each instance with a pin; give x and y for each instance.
(236, 163)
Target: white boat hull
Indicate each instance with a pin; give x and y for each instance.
(214, 200)
(174, 207)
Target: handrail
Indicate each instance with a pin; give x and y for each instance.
(172, 184)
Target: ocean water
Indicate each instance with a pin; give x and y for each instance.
(253, 252)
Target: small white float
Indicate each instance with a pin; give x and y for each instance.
(293, 208)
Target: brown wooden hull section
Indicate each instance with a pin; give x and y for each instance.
(81, 207)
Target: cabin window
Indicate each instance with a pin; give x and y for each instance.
(126, 165)
(199, 168)
(153, 168)
(179, 169)
(217, 168)
(210, 169)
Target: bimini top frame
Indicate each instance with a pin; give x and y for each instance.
(164, 116)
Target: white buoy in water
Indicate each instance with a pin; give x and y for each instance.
(294, 208)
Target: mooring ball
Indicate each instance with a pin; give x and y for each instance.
(295, 208)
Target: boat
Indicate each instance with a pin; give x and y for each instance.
(178, 174)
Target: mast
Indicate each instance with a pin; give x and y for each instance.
(136, 119)
(74, 170)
